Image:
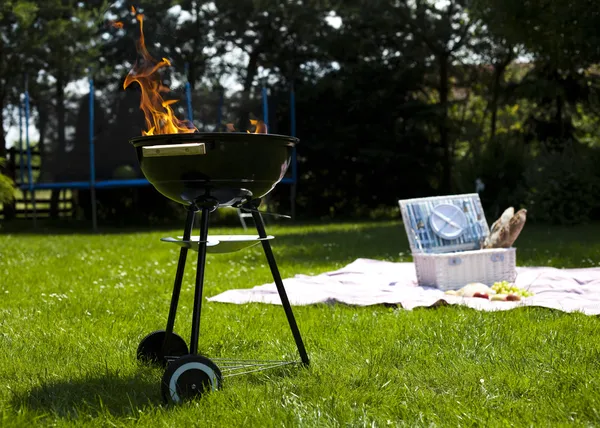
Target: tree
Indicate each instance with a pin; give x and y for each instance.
(15, 17)
(444, 30)
(562, 40)
(192, 46)
(276, 37)
(497, 53)
(363, 124)
(15, 45)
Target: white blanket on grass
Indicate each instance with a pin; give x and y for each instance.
(370, 282)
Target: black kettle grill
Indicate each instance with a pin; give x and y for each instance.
(204, 172)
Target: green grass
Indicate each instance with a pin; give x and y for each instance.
(73, 308)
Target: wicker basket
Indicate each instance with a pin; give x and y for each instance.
(449, 264)
(452, 271)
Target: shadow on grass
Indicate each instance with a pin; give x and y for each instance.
(46, 226)
(89, 397)
(574, 246)
(370, 241)
(78, 227)
(120, 396)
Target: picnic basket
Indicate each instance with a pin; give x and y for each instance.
(445, 234)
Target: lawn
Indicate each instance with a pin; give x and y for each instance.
(74, 307)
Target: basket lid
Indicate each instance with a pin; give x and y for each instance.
(444, 224)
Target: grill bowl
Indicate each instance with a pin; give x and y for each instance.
(232, 167)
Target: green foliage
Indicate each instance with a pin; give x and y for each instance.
(23, 11)
(587, 127)
(559, 32)
(7, 189)
(563, 187)
(501, 167)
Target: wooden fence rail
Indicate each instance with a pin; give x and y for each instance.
(23, 205)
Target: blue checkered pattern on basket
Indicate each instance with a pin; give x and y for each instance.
(422, 238)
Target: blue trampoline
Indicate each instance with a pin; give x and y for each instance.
(90, 169)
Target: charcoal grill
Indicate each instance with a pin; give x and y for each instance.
(204, 172)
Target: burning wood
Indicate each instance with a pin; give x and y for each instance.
(260, 127)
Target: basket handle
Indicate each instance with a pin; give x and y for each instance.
(189, 149)
(454, 261)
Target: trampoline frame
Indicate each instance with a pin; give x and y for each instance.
(94, 184)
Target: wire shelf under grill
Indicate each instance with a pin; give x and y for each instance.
(233, 367)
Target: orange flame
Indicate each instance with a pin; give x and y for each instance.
(261, 127)
(160, 118)
(116, 24)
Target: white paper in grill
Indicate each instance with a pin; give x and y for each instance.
(219, 243)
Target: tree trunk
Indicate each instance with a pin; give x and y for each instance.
(498, 72)
(62, 143)
(60, 111)
(193, 72)
(559, 120)
(446, 185)
(251, 71)
(2, 137)
(42, 124)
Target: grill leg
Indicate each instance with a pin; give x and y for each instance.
(199, 280)
(260, 227)
(187, 231)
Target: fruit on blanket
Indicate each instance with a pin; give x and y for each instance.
(470, 289)
(501, 291)
(505, 287)
(474, 289)
(505, 298)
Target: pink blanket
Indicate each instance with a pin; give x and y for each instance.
(369, 282)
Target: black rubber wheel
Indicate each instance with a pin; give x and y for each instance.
(150, 349)
(189, 377)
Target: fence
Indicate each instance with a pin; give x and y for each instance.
(45, 203)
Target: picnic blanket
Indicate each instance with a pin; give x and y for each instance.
(370, 282)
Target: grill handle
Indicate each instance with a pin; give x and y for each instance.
(189, 149)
